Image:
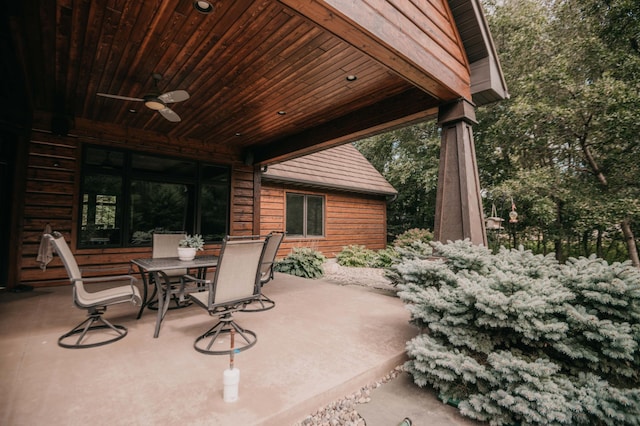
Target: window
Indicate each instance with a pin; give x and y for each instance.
(305, 215)
(127, 196)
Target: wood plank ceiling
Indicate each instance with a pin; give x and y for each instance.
(242, 64)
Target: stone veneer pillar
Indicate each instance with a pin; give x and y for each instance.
(459, 212)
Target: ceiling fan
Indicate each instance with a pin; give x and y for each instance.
(157, 101)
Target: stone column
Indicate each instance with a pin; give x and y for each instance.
(459, 212)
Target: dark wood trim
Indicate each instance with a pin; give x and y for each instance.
(460, 109)
(17, 207)
(410, 106)
(257, 185)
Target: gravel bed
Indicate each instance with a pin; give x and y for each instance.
(344, 411)
(366, 277)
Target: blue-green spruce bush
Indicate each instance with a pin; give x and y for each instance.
(519, 339)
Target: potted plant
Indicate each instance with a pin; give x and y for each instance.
(188, 246)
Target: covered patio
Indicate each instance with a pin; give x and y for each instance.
(111, 103)
(322, 341)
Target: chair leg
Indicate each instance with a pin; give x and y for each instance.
(88, 325)
(224, 326)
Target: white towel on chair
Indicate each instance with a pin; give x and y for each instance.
(45, 251)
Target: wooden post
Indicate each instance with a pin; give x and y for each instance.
(459, 213)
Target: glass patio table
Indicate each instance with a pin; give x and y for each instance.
(157, 267)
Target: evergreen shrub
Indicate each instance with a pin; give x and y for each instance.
(410, 236)
(356, 256)
(385, 258)
(405, 249)
(302, 262)
(359, 256)
(519, 339)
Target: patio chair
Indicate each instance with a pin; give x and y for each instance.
(264, 303)
(94, 302)
(166, 245)
(236, 283)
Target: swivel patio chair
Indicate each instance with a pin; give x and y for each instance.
(264, 303)
(166, 245)
(94, 302)
(236, 283)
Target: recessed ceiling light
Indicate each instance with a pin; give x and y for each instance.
(352, 77)
(132, 111)
(203, 6)
(282, 112)
(238, 134)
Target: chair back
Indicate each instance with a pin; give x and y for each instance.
(237, 276)
(270, 253)
(80, 295)
(166, 245)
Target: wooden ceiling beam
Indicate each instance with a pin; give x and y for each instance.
(409, 107)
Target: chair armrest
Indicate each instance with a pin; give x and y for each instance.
(106, 279)
(201, 283)
(135, 295)
(132, 281)
(102, 269)
(188, 277)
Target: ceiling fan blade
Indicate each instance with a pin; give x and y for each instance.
(169, 115)
(124, 98)
(174, 96)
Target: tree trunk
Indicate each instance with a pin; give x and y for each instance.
(557, 246)
(630, 242)
(625, 225)
(599, 243)
(557, 241)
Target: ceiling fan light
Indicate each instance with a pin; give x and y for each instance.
(203, 6)
(154, 104)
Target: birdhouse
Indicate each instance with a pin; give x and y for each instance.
(493, 222)
(513, 215)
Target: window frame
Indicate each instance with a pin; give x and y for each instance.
(193, 181)
(305, 215)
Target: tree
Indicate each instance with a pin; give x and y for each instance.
(408, 158)
(574, 113)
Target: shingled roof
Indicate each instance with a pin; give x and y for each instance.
(342, 167)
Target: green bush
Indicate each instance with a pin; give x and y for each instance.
(359, 256)
(410, 236)
(356, 256)
(302, 262)
(519, 339)
(385, 258)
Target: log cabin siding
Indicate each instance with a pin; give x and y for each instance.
(350, 218)
(242, 201)
(52, 194)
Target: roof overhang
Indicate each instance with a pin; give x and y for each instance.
(243, 64)
(487, 80)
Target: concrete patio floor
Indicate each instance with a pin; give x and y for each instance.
(322, 341)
